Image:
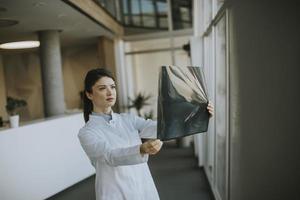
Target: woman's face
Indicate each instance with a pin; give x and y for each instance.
(103, 93)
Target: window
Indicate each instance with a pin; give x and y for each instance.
(181, 14)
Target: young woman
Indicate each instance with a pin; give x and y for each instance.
(113, 143)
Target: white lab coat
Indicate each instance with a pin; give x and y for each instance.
(113, 147)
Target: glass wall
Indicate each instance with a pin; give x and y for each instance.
(145, 13)
(153, 14)
(208, 63)
(181, 14)
(109, 5)
(150, 15)
(212, 29)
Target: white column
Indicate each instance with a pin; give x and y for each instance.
(196, 43)
(124, 79)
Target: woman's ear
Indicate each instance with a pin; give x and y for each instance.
(89, 95)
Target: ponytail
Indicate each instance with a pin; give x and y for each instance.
(87, 108)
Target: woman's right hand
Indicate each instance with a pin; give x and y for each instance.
(151, 147)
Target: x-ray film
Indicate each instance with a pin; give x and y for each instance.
(182, 102)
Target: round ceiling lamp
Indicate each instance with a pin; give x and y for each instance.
(20, 45)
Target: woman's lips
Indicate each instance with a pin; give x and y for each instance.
(109, 99)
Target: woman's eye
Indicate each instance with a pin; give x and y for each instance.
(113, 86)
(101, 88)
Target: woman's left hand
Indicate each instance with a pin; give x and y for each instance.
(151, 146)
(210, 109)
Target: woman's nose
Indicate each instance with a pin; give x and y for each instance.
(108, 91)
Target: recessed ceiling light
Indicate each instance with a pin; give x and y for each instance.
(20, 45)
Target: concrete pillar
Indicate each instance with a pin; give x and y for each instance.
(53, 88)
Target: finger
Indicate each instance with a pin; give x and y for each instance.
(154, 142)
(158, 144)
(148, 148)
(157, 147)
(147, 145)
(153, 149)
(154, 152)
(210, 108)
(154, 146)
(150, 151)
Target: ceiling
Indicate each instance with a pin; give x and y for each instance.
(36, 15)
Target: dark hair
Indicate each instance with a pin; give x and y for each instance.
(90, 79)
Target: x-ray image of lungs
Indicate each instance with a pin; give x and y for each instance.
(182, 102)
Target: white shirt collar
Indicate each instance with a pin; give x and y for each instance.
(99, 117)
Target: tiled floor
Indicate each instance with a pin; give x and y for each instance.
(177, 175)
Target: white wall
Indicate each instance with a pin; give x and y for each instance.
(144, 59)
(41, 159)
(204, 54)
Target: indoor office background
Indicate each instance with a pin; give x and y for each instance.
(248, 49)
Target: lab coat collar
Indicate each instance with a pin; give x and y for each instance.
(113, 116)
(100, 118)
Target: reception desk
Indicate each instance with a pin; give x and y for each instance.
(41, 159)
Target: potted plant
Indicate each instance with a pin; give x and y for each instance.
(11, 108)
(149, 115)
(139, 102)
